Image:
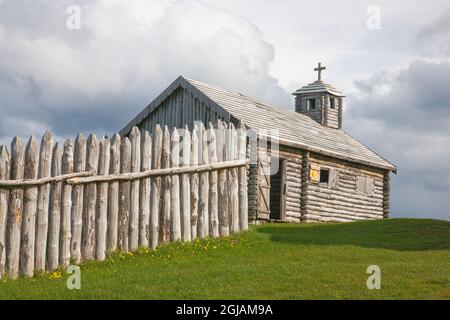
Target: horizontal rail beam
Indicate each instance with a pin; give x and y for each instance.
(160, 172)
(38, 182)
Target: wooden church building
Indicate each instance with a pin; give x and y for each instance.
(321, 173)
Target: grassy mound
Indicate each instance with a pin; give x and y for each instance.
(275, 261)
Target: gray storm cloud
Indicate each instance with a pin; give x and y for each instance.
(99, 77)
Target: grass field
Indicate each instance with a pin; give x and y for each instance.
(276, 261)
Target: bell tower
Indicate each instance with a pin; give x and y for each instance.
(320, 101)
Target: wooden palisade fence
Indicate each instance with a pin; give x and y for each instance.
(84, 199)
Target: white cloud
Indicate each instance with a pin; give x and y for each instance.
(125, 53)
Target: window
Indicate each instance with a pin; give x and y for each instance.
(332, 103)
(364, 185)
(324, 176)
(310, 104)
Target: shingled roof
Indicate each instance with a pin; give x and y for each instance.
(319, 86)
(294, 129)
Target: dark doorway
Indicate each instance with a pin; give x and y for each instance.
(278, 191)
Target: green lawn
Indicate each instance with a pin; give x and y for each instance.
(276, 261)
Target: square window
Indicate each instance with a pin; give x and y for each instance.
(310, 104)
(324, 175)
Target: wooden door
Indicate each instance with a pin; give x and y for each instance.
(263, 183)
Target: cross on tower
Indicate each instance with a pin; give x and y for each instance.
(319, 70)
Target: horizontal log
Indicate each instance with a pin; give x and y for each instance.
(42, 181)
(160, 172)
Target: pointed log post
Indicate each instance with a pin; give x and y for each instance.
(175, 218)
(203, 203)
(15, 211)
(4, 194)
(113, 195)
(164, 234)
(156, 188)
(45, 162)
(124, 194)
(79, 165)
(194, 182)
(144, 205)
(29, 209)
(224, 225)
(233, 180)
(243, 188)
(213, 195)
(102, 201)
(90, 201)
(65, 236)
(55, 210)
(186, 188)
(135, 138)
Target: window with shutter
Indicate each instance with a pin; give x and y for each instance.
(364, 185)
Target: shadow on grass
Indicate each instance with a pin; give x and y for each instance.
(393, 234)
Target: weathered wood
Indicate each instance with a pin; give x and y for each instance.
(113, 195)
(42, 181)
(145, 192)
(164, 234)
(102, 201)
(186, 188)
(386, 194)
(213, 185)
(242, 176)
(175, 217)
(135, 138)
(224, 226)
(90, 201)
(29, 209)
(158, 172)
(15, 211)
(67, 168)
(55, 211)
(156, 184)
(45, 160)
(203, 203)
(79, 165)
(304, 185)
(124, 194)
(4, 194)
(233, 180)
(194, 182)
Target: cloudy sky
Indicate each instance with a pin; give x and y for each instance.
(392, 59)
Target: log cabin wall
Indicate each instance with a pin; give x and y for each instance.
(353, 192)
(293, 179)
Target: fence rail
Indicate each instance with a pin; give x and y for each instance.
(79, 201)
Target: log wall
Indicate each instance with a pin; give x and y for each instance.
(354, 192)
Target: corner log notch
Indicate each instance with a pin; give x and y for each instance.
(386, 194)
(305, 186)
